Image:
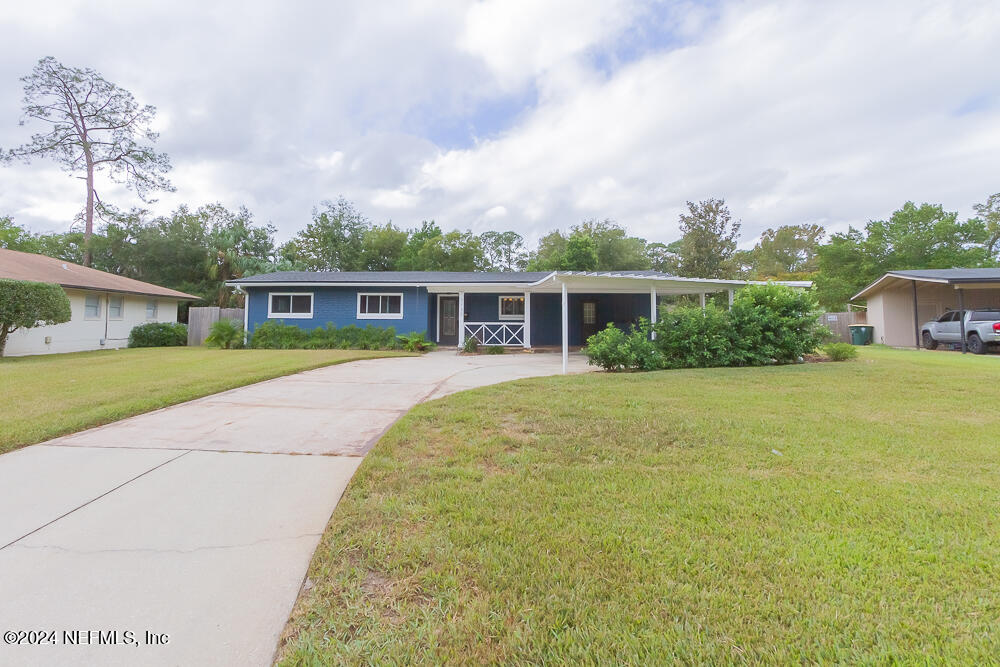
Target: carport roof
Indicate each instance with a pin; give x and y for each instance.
(962, 277)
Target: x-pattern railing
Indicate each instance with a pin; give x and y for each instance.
(496, 333)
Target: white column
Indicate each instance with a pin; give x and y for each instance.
(652, 308)
(461, 319)
(527, 320)
(702, 295)
(565, 329)
(731, 292)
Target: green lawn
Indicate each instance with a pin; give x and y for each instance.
(825, 512)
(43, 397)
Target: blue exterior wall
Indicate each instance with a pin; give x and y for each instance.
(622, 310)
(485, 307)
(339, 306)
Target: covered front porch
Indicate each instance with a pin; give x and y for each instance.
(563, 309)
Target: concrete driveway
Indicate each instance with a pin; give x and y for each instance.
(182, 536)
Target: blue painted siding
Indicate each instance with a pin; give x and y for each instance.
(485, 307)
(622, 310)
(339, 306)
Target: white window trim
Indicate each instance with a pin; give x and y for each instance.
(100, 302)
(379, 316)
(290, 316)
(500, 314)
(121, 308)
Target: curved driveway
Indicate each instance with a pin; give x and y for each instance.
(183, 535)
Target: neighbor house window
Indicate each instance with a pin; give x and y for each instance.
(92, 306)
(116, 305)
(290, 305)
(151, 309)
(512, 308)
(380, 306)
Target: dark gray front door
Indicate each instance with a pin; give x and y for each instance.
(448, 320)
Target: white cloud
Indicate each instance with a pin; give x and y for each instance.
(792, 111)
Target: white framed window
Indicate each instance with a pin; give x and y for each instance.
(290, 305)
(151, 309)
(116, 307)
(512, 307)
(92, 307)
(380, 306)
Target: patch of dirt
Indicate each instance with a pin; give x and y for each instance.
(376, 584)
(815, 358)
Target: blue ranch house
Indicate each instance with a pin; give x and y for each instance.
(525, 308)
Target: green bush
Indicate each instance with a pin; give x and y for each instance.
(608, 349)
(416, 341)
(158, 334)
(495, 349)
(276, 335)
(774, 324)
(471, 345)
(840, 351)
(689, 337)
(25, 304)
(226, 334)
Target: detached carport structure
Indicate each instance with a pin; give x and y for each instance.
(901, 301)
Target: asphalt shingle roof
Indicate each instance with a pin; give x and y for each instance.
(955, 275)
(396, 277)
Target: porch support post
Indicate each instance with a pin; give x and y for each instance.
(961, 321)
(916, 317)
(652, 308)
(527, 320)
(461, 319)
(731, 293)
(702, 295)
(565, 330)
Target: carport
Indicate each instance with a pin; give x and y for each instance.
(901, 301)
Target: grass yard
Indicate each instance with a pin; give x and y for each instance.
(42, 397)
(815, 513)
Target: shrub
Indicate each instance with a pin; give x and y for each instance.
(471, 345)
(158, 334)
(272, 335)
(643, 352)
(25, 304)
(416, 341)
(774, 324)
(689, 337)
(495, 349)
(608, 349)
(840, 351)
(280, 336)
(226, 334)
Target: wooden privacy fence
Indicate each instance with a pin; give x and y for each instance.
(200, 321)
(839, 323)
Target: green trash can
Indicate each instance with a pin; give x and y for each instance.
(862, 334)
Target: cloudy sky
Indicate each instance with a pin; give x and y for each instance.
(532, 115)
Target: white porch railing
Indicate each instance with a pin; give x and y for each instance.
(496, 333)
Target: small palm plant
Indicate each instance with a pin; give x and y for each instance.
(225, 334)
(416, 342)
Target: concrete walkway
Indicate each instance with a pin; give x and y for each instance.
(183, 535)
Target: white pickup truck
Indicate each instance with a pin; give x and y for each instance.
(982, 328)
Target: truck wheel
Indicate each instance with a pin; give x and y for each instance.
(929, 342)
(976, 344)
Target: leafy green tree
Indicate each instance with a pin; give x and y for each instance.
(25, 305)
(236, 248)
(16, 237)
(454, 251)
(990, 215)
(384, 246)
(91, 125)
(914, 237)
(502, 251)
(411, 260)
(581, 253)
(708, 244)
(665, 257)
(549, 254)
(616, 250)
(334, 240)
(791, 249)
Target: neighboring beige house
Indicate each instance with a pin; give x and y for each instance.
(105, 307)
(900, 302)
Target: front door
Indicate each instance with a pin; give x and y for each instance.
(448, 320)
(588, 324)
